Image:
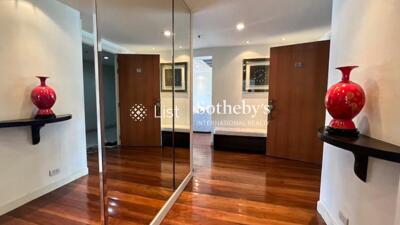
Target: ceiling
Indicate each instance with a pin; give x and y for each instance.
(86, 7)
(137, 25)
(266, 21)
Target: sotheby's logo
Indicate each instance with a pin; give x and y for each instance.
(237, 109)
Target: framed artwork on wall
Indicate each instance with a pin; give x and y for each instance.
(256, 75)
(180, 77)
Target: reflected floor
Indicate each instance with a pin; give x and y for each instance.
(139, 182)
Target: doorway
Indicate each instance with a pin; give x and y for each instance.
(202, 94)
(298, 80)
(139, 98)
(108, 67)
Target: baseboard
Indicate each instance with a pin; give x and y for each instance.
(323, 211)
(202, 132)
(245, 144)
(171, 201)
(40, 192)
(182, 139)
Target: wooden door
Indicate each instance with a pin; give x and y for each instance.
(298, 81)
(139, 92)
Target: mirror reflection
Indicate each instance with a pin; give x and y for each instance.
(182, 90)
(139, 167)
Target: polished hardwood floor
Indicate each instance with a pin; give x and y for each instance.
(227, 188)
(237, 188)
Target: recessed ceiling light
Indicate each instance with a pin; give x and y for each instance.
(154, 48)
(167, 33)
(106, 57)
(240, 26)
(180, 46)
(247, 42)
(283, 39)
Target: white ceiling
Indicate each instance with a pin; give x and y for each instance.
(266, 21)
(86, 7)
(138, 24)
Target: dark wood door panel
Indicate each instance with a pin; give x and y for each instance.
(298, 82)
(139, 91)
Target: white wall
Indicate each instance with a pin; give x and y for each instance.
(398, 207)
(365, 33)
(202, 94)
(202, 91)
(39, 37)
(227, 83)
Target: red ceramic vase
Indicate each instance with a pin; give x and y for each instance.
(44, 98)
(344, 101)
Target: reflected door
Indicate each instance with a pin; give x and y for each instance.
(139, 95)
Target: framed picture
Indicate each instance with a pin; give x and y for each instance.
(180, 77)
(256, 75)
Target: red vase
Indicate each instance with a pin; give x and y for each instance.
(44, 98)
(344, 101)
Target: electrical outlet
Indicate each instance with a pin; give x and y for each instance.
(54, 172)
(343, 218)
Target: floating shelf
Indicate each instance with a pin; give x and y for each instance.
(362, 147)
(35, 124)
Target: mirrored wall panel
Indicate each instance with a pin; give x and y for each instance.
(135, 45)
(182, 89)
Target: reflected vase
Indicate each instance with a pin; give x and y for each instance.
(344, 101)
(44, 98)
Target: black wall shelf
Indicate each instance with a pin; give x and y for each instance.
(35, 124)
(362, 147)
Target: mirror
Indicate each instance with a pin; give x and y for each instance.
(182, 90)
(135, 42)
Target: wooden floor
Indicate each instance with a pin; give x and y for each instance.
(228, 188)
(234, 188)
